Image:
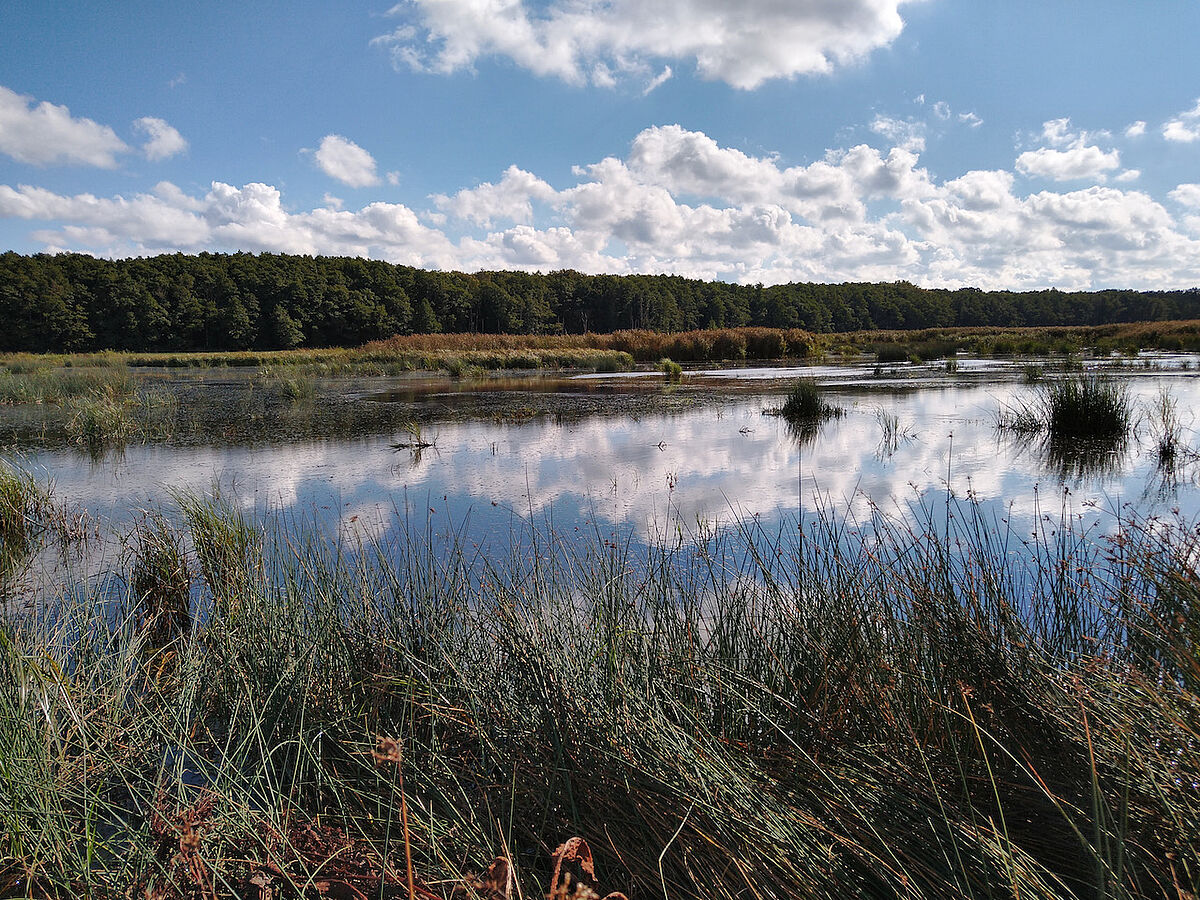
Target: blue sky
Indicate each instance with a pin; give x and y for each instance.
(1004, 145)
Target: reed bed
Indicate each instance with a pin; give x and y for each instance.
(921, 705)
(709, 345)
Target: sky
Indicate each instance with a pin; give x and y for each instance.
(1003, 145)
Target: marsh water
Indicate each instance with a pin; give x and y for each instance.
(465, 459)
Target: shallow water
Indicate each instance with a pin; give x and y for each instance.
(628, 453)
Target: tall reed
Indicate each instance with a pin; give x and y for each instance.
(921, 705)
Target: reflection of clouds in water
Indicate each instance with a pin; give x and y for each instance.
(704, 464)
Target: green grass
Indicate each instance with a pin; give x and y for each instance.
(806, 403)
(903, 708)
(26, 383)
(1077, 407)
(22, 512)
(671, 370)
(1087, 406)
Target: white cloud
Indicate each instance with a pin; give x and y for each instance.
(970, 119)
(1136, 129)
(1057, 133)
(1128, 175)
(1068, 165)
(346, 161)
(162, 140)
(742, 44)
(1187, 194)
(901, 132)
(1185, 128)
(658, 80)
(45, 134)
(511, 200)
(680, 202)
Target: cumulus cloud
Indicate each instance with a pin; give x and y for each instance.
(509, 200)
(1068, 165)
(1135, 129)
(44, 134)
(680, 202)
(344, 160)
(743, 44)
(1070, 156)
(1187, 194)
(162, 140)
(902, 132)
(1185, 127)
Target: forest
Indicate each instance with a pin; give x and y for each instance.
(241, 301)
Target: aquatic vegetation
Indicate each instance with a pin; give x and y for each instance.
(23, 505)
(227, 545)
(806, 402)
(707, 716)
(892, 434)
(99, 422)
(160, 580)
(1087, 406)
(671, 370)
(1076, 407)
(30, 382)
(1165, 428)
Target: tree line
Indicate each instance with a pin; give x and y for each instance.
(216, 301)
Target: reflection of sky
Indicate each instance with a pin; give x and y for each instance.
(704, 464)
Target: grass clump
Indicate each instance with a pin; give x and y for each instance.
(23, 505)
(227, 545)
(671, 370)
(1077, 407)
(99, 422)
(806, 403)
(161, 580)
(1087, 406)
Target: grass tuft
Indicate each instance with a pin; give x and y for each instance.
(1087, 406)
(806, 403)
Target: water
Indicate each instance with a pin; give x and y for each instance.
(630, 454)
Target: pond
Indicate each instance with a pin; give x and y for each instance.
(628, 453)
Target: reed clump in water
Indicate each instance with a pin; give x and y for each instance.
(902, 708)
(1076, 407)
(805, 402)
(1087, 406)
(23, 509)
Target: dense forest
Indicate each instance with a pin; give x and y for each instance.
(72, 302)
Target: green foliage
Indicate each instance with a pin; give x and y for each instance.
(219, 302)
(671, 370)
